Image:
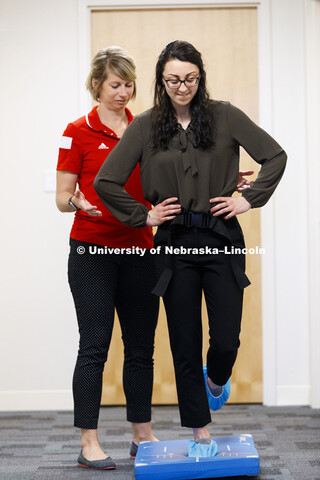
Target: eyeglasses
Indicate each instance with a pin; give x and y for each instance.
(176, 83)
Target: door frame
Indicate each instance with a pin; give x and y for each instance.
(268, 270)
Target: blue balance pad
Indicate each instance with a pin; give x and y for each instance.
(169, 460)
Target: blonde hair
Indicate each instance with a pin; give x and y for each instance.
(111, 59)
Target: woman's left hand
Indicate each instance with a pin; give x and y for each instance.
(243, 183)
(229, 206)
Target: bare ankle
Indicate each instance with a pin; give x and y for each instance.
(89, 438)
(142, 433)
(200, 433)
(215, 390)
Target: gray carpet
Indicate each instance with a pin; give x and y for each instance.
(45, 446)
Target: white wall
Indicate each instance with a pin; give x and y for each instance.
(40, 94)
(312, 36)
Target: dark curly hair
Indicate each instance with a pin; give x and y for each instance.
(164, 122)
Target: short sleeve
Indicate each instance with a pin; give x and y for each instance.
(70, 151)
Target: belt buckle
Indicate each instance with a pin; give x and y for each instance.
(196, 220)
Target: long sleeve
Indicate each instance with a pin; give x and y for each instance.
(264, 150)
(115, 172)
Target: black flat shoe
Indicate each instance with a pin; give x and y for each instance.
(105, 464)
(133, 450)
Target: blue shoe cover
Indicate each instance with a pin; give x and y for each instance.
(202, 450)
(215, 403)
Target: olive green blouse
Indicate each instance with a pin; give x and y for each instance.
(193, 175)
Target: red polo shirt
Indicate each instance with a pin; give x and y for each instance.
(85, 145)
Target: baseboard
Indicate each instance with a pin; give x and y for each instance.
(30, 400)
(293, 395)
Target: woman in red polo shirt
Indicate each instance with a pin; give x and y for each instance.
(102, 281)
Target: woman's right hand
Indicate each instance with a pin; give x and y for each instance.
(163, 212)
(80, 201)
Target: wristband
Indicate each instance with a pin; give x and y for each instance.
(75, 208)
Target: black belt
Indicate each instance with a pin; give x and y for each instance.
(229, 229)
(198, 220)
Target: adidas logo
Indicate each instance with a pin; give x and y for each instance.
(102, 146)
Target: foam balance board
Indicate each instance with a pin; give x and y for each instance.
(169, 460)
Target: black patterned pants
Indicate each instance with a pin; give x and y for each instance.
(101, 283)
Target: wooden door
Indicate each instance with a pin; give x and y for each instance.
(227, 39)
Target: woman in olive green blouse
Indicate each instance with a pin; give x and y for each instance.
(188, 149)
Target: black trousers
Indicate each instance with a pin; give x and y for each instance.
(193, 274)
(101, 283)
